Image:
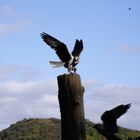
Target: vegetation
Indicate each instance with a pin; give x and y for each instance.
(50, 129)
(124, 134)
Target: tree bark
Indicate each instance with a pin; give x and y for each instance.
(70, 97)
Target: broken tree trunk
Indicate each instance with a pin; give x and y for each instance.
(71, 107)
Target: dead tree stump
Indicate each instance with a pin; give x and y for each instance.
(70, 97)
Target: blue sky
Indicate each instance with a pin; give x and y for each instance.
(109, 66)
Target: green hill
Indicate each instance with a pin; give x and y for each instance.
(50, 129)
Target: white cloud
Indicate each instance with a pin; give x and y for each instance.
(18, 72)
(7, 10)
(12, 27)
(128, 49)
(40, 99)
(28, 99)
(12, 21)
(106, 97)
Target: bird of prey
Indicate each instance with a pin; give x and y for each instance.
(109, 118)
(129, 9)
(68, 60)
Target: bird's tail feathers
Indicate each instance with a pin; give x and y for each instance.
(56, 64)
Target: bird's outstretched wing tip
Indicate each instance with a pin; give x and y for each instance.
(42, 34)
(129, 105)
(79, 40)
(78, 47)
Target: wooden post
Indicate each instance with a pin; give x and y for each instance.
(70, 97)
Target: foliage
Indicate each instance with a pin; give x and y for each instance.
(124, 134)
(50, 129)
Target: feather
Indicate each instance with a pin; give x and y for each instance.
(56, 64)
(68, 60)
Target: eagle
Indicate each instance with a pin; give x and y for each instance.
(68, 60)
(109, 128)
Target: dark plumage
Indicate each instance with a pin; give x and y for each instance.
(109, 118)
(67, 60)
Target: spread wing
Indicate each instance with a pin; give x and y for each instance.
(110, 117)
(77, 48)
(58, 46)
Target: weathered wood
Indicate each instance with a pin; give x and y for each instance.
(70, 97)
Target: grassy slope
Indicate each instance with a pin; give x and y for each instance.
(50, 129)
